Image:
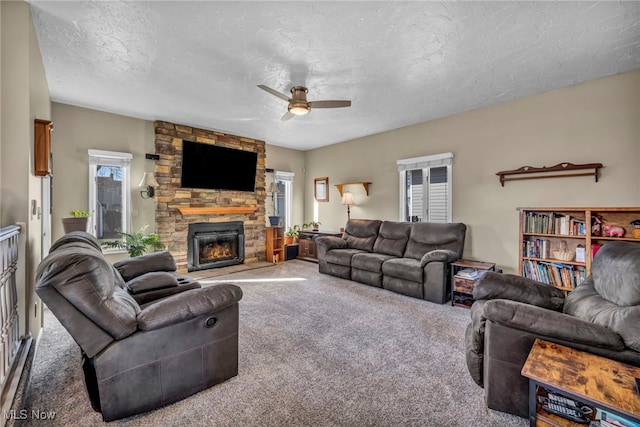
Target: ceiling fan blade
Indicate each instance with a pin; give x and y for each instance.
(329, 104)
(274, 92)
(287, 116)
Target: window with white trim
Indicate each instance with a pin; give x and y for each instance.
(109, 195)
(425, 188)
(284, 197)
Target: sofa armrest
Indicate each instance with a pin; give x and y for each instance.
(440, 255)
(517, 288)
(549, 323)
(331, 242)
(188, 305)
(155, 261)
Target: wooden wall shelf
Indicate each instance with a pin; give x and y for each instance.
(364, 184)
(543, 171)
(227, 210)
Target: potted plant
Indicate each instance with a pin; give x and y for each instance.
(313, 225)
(77, 222)
(291, 234)
(136, 243)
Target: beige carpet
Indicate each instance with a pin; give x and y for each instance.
(314, 350)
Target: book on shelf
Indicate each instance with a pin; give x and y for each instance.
(470, 273)
(552, 273)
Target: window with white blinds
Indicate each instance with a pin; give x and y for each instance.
(425, 188)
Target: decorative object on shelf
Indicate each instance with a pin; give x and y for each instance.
(77, 222)
(148, 185)
(364, 184)
(596, 225)
(612, 230)
(347, 199)
(560, 167)
(274, 220)
(563, 253)
(635, 231)
(320, 189)
(313, 225)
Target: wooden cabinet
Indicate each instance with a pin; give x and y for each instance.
(308, 250)
(557, 245)
(42, 147)
(464, 276)
(275, 244)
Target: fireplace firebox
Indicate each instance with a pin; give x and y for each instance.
(214, 245)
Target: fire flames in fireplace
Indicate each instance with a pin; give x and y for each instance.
(216, 251)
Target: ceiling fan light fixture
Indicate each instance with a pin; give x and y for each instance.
(299, 110)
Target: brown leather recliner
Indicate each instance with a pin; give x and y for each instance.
(601, 316)
(135, 358)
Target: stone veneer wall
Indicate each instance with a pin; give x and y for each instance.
(171, 226)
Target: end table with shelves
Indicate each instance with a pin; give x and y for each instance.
(600, 387)
(462, 286)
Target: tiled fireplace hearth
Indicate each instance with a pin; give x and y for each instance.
(178, 208)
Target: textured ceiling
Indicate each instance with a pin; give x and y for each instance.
(400, 63)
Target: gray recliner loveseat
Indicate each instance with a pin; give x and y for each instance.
(137, 358)
(601, 316)
(410, 258)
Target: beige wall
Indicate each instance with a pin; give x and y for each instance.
(24, 97)
(597, 121)
(76, 131)
(288, 160)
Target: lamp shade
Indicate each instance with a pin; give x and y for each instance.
(148, 180)
(347, 199)
(273, 188)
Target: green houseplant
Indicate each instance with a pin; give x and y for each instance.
(313, 225)
(136, 243)
(76, 222)
(291, 234)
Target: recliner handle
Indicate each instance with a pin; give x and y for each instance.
(211, 322)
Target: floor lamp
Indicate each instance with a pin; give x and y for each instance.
(347, 199)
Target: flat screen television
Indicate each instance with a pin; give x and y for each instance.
(217, 168)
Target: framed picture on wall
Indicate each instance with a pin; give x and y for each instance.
(321, 189)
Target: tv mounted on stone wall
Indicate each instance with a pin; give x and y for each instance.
(217, 168)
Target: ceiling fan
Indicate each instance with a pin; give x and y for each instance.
(298, 104)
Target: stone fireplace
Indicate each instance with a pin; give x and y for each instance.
(177, 208)
(214, 245)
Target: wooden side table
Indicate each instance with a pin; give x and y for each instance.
(600, 384)
(462, 287)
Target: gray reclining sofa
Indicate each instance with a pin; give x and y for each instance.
(410, 258)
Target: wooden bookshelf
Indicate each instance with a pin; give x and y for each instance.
(540, 227)
(275, 244)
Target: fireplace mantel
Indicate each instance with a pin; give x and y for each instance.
(226, 210)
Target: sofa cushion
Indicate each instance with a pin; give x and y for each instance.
(369, 261)
(428, 236)
(392, 238)
(616, 273)
(403, 268)
(361, 233)
(341, 256)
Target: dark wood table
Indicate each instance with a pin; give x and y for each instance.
(307, 249)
